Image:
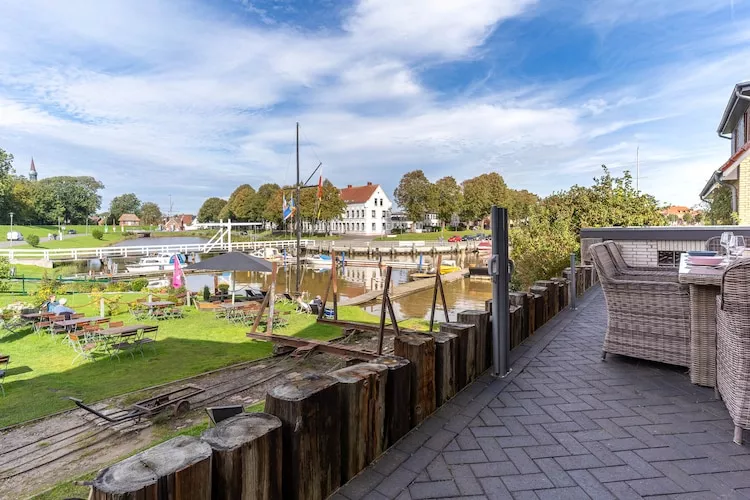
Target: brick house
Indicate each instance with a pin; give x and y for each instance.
(735, 172)
(178, 222)
(129, 220)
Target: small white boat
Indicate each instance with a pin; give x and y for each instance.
(318, 260)
(161, 262)
(269, 254)
(158, 284)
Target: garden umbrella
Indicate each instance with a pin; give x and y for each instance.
(233, 261)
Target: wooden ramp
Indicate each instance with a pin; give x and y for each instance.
(404, 290)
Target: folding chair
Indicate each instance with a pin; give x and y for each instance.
(4, 359)
(122, 345)
(142, 339)
(81, 347)
(116, 324)
(218, 414)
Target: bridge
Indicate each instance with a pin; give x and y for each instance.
(212, 246)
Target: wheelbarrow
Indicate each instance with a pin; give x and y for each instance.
(176, 401)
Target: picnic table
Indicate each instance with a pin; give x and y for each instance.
(158, 304)
(67, 323)
(705, 285)
(36, 315)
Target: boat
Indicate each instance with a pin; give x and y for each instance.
(158, 284)
(484, 246)
(269, 254)
(421, 276)
(160, 262)
(448, 266)
(318, 260)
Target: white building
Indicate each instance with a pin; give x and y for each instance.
(367, 212)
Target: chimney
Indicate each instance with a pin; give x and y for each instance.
(369, 183)
(349, 186)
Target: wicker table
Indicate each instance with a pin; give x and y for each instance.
(705, 285)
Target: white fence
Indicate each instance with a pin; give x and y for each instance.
(136, 251)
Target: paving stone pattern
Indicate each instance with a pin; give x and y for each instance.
(564, 424)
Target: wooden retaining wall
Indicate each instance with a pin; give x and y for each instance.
(320, 431)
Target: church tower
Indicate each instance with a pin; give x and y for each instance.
(32, 171)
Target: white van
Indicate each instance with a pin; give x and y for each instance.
(14, 236)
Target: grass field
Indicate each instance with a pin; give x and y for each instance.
(81, 240)
(428, 236)
(41, 375)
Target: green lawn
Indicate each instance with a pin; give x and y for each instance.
(428, 236)
(82, 240)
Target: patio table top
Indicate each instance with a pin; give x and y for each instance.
(78, 321)
(159, 303)
(121, 330)
(699, 275)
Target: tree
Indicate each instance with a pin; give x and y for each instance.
(415, 194)
(449, 199)
(150, 214)
(6, 181)
(688, 218)
(211, 209)
(331, 204)
(520, 204)
(127, 203)
(240, 204)
(719, 209)
(66, 198)
(261, 199)
(480, 193)
(672, 218)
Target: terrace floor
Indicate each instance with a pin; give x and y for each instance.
(564, 424)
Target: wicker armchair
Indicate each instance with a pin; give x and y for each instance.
(733, 344)
(713, 244)
(646, 319)
(622, 267)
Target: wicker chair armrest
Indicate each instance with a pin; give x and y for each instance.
(669, 270)
(661, 287)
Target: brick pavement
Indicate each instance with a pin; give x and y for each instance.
(564, 424)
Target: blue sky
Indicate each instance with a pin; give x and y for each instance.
(193, 98)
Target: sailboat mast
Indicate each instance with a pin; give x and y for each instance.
(298, 209)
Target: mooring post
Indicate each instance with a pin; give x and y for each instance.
(572, 289)
(498, 269)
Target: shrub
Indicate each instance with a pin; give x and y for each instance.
(32, 240)
(138, 284)
(224, 288)
(97, 234)
(121, 286)
(206, 293)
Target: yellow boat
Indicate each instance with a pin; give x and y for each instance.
(448, 266)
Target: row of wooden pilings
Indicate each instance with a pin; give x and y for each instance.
(320, 431)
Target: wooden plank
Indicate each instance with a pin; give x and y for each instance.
(419, 349)
(466, 351)
(246, 457)
(336, 349)
(311, 425)
(397, 397)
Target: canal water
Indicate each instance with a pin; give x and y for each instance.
(353, 281)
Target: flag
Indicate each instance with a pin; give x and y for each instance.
(177, 274)
(288, 208)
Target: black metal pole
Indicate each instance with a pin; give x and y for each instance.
(573, 285)
(500, 301)
(298, 218)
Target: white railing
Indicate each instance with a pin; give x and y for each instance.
(136, 251)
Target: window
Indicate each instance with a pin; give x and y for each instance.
(384, 214)
(373, 226)
(383, 226)
(381, 202)
(376, 202)
(373, 214)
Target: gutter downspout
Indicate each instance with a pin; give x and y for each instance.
(717, 179)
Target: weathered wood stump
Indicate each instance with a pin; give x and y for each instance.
(246, 457)
(311, 426)
(420, 351)
(483, 336)
(523, 300)
(516, 326)
(466, 351)
(562, 288)
(539, 298)
(362, 392)
(397, 397)
(179, 469)
(552, 297)
(446, 366)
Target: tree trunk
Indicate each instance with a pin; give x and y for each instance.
(246, 457)
(446, 366)
(483, 336)
(179, 469)
(420, 351)
(311, 426)
(397, 397)
(466, 351)
(362, 392)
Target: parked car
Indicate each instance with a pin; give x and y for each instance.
(454, 239)
(482, 236)
(468, 237)
(72, 231)
(14, 236)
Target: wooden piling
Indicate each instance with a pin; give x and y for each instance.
(419, 349)
(516, 326)
(483, 336)
(446, 366)
(539, 296)
(551, 297)
(246, 457)
(362, 392)
(466, 351)
(397, 397)
(179, 469)
(524, 301)
(311, 424)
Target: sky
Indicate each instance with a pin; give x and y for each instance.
(192, 98)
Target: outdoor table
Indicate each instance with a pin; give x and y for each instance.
(705, 285)
(78, 321)
(236, 305)
(158, 304)
(120, 330)
(37, 315)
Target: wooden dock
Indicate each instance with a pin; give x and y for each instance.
(403, 290)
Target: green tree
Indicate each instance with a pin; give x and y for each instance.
(261, 199)
(331, 204)
(449, 199)
(23, 201)
(211, 209)
(66, 198)
(520, 204)
(688, 218)
(719, 209)
(150, 214)
(127, 203)
(480, 193)
(415, 194)
(240, 204)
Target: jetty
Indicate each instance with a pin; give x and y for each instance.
(404, 289)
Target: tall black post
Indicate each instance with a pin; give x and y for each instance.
(298, 219)
(498, 269)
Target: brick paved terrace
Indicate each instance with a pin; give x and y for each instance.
(564, 424)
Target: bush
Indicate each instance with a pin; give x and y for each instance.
(32, 240)
(224, 288)
(97, 234)
(206, 293)
(121, 286)
(138, 284)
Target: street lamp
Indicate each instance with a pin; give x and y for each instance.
(11, 229)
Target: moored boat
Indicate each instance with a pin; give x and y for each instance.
(161, 262)
(318, 260)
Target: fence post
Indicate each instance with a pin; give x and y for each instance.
(573, 287)
(101, 307)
